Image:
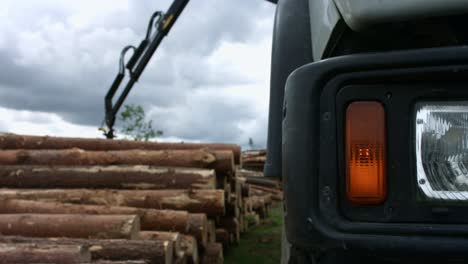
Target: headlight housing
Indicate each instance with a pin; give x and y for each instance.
(442, 150)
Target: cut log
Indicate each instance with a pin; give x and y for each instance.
(221, 161)
(210, 202)
(198, 227)
(150, 219)
(222, 236)
(276, 194)
(116, 177)
(113, 249)
(190, 247)
(165, 236)
(12, 141)
(244, 173)
(76, 226)
(213, 254)
(37, 253)
(263, 195)
(259, 181)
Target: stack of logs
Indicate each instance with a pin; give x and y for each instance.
(251, 175)
(70, 200)
(254, 160)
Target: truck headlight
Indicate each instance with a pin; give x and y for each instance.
(442, 149)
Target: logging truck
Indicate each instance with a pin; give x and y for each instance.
(367, 127)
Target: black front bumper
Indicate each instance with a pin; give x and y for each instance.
(315, 217)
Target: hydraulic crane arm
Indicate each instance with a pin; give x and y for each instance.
(163, 23)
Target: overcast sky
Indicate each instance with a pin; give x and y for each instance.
(209, 80)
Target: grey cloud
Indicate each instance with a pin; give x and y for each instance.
(71, 76)
(206, 117)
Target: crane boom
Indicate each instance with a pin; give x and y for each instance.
(163, 23)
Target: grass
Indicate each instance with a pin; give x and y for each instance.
(260, 244)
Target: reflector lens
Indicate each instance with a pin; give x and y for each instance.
(365, 153)
(442, 150)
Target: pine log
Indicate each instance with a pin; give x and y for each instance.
(262, 194)
(210, 202)
(116, 177)
(150, 219)
(213, 254)
(34, 253)
(276, 194)
(69, 225)
(12, 141)
(222, 236)
(254, 160)
(221, 161)
(260, 181)
(198, 227)
(254, 152)
(109, 249)
(165, 236)
(190, 247)
(244, 173)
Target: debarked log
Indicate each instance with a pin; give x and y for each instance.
(153, 251)
(210, 202)
(110, 177)
(221, 161)
(13, 141)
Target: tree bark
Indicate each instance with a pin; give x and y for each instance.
(150, 219)
(37, 253)
(12, 141)
(190, 247)
(259, 181)
(165, 236)
(110, 249)
(213, 254)
(210, 202)
(75, 226)
(115, 177)
(221, 161)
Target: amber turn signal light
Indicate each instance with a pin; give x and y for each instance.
(365, 153)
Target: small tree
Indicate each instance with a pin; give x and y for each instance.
(135, 125)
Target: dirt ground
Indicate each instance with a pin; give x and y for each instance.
(261, 244)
